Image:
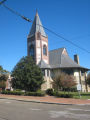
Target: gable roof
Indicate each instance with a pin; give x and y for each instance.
(55, 57)
(37, 26)
(59, 58)
(42, 64)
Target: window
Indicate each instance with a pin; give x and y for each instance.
(32, 50)
(47, 72)
(43, 72)
(44, 50)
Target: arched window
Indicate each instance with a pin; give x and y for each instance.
(32, 51)
(44, 50)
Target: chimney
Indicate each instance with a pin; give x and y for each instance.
(76, 58)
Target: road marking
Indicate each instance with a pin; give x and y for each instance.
(74, 109)
(87, 110)
(57, 114)
(35, 109)
(78, 109)
(68, 114)
(8, 102)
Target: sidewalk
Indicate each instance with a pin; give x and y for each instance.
(47, 100)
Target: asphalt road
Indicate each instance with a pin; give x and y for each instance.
(17, 110)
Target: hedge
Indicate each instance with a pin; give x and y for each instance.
(13, 92)
(85, 94)
(63, 94)
(35, 93)
(40, 93)
(49, 91)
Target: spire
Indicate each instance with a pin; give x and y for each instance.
(36, 12)
(37, 26)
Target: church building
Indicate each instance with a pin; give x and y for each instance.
(50, 61)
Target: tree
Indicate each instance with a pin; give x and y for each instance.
(26, 75)
(2, 84)
(57, 79)
(3, 77)
(3, 71)
(88, 79)
(63, 81)
(1, 68)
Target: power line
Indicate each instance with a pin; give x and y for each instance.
(10, 9)
(1, 2)
(56, 34)
(25, 18)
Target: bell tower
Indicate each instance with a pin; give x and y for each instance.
(37, 42)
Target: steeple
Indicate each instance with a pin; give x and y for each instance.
(37, 42)
(36, 12)
(37, 26)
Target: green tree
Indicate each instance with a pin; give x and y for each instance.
(62, 81)
(2, 84)
(26, 75)
(88, 79)
(1, 69)
(3, 77)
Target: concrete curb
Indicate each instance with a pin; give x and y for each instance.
(35, 101)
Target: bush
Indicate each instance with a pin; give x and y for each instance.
(12, 92)
(49, 91)
(39, 93)
(62, 80)
(19, 90)
(85, 94)
(63, 94)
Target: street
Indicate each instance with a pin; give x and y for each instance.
(18, 110)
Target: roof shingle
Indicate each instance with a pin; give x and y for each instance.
(57, 59)
(37, 26)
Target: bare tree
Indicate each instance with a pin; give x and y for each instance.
(62, 80)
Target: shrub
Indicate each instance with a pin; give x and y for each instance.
(39, 93)
(85, 94)
(19, 90)
(62, 80)
(12, 92)
(63, 94)
(49, 91)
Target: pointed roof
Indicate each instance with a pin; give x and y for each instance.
(37, 26)
(42, 64)
(59, 58)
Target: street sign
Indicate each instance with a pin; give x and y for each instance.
(79, 87)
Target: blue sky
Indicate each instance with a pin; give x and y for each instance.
(69, 18)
